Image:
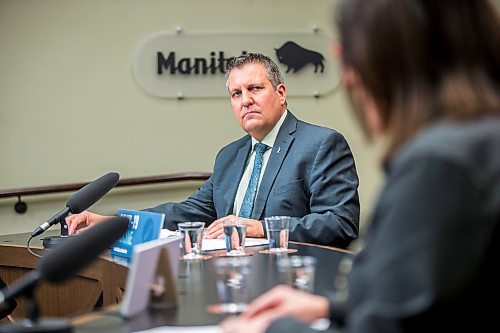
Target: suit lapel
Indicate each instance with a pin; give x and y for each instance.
(278, 154)
(237, 172)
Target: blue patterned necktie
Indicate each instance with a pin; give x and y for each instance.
(248, 200)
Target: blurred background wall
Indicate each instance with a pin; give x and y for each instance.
(70, 110)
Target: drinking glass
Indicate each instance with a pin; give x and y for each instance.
(192, 233)
(298, 272)
(278, 228)
(232, 284)
(235, 235)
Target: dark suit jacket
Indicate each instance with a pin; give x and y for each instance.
(310, 176)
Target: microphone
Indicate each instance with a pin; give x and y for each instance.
(69, 258)
(81, 200)
(8, 307)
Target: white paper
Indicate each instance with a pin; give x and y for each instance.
(165, 233)
(220, 244)
(184, 329)
(320, 324)
(216, 244)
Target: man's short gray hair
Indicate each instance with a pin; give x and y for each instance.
(273, 72)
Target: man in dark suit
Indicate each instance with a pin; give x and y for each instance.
(307, 171)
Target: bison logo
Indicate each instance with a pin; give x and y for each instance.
(296, 57)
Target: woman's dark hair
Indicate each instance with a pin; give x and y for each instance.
(423, 60)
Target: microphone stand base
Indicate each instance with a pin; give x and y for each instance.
(53, 241)
(40, 326)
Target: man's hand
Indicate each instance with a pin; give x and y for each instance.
(79, 222)
(216, 229)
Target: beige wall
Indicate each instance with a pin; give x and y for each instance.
(70, 111)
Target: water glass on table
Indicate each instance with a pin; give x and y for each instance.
(278, 229)
(298, 272)
(232, 285)
(235, 234)
(191, 245)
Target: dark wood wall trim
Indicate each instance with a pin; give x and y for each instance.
(169, 178)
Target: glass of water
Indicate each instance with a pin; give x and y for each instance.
(232, 284)
(192, 233)
(235, 234)
(278, 228)
(298, 272)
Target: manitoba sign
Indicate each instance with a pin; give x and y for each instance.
(178, 65)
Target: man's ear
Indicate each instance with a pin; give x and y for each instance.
(281, 90)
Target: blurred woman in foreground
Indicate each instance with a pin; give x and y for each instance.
(425, 76)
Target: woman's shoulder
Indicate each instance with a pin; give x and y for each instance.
(473, 146)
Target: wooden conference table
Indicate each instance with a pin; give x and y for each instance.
(92, 297)
(98, 285)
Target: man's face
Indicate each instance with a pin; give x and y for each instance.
(256, 105)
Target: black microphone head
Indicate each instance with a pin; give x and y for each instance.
(78, 251)
(90, 193)
(6, 308)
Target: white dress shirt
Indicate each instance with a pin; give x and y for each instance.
(269, 141)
